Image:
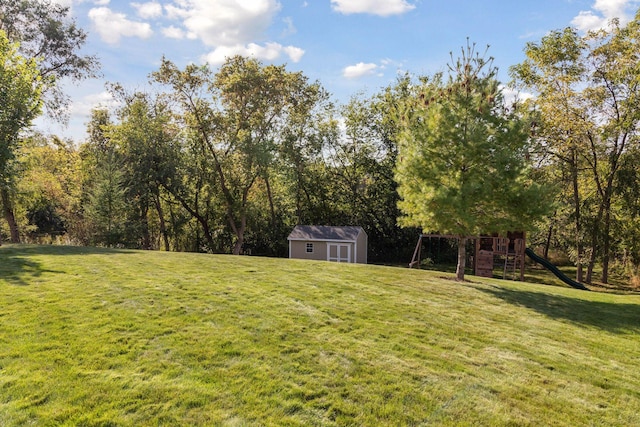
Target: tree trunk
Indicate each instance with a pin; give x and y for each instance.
(237, 247)
(606, 245)
(144, 218)
(203, 220)
(298, 204)
(163, 224)
(606, 237)
(207, 232)
(595, 235)
(576, 204)
(462, 258)
(270, 197)
(9, 215)
(592, 261)
(298, 194)
(547, 243)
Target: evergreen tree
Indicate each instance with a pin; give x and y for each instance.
(106, 207)
(462, 166)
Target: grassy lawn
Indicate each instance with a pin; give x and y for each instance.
(131, 338)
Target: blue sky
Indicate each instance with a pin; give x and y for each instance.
(349, 46)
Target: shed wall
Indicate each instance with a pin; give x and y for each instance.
(298, 249)
(361, 243)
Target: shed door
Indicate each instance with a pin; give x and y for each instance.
(338, 252)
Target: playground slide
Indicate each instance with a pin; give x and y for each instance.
(552, 268)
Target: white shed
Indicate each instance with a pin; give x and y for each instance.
(320, 242)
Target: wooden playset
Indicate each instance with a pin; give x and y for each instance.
(505, 253)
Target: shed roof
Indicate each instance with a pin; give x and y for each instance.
(324, 232)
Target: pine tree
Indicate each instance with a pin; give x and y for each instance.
(462, 166)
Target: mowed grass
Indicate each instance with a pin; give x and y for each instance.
(131, 338)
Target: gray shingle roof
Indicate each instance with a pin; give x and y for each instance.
(324, 232)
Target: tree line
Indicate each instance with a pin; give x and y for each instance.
(229, 160)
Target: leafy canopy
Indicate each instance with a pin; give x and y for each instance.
(20, 100)
(46, 32)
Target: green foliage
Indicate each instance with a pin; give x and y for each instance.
(462, 165)
(360, 174)
(146, 139)
(47, 33)
(104, 199)
(20, 97)
(20, 102)
(106, 206)
(238, 120)
(230, 161)
(50, 188)
(129, 338)
(588, 100)
(45, 50)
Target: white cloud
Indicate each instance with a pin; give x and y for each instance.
(373, 7)
(359, 70)
(290, 28)
(71, 3)
(112, 26)
(587, 21)
(82, 108)
(294, 53)
(603, 11)
(65, 3)
(173, 32)
(268, 52)
(391, 63)
(174, 12)
(149, 10)
(611, 8)
(231, 27)
(225, 22)
(218, 55)
(512, 95)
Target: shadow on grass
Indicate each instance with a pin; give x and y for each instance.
(18, 266)
(545, 277)
(57, 250)
(612, 317)
(445, 268)
(18, 269)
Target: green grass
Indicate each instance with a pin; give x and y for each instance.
(129, 338)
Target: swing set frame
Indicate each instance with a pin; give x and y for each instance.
(506, 252)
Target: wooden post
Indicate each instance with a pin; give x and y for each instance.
(417, 253)
(522, 249)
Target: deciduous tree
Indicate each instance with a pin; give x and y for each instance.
(47, 33)
(238, 116)
(588, 96)
(147, 141)
(20, 102)
(50, 187)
